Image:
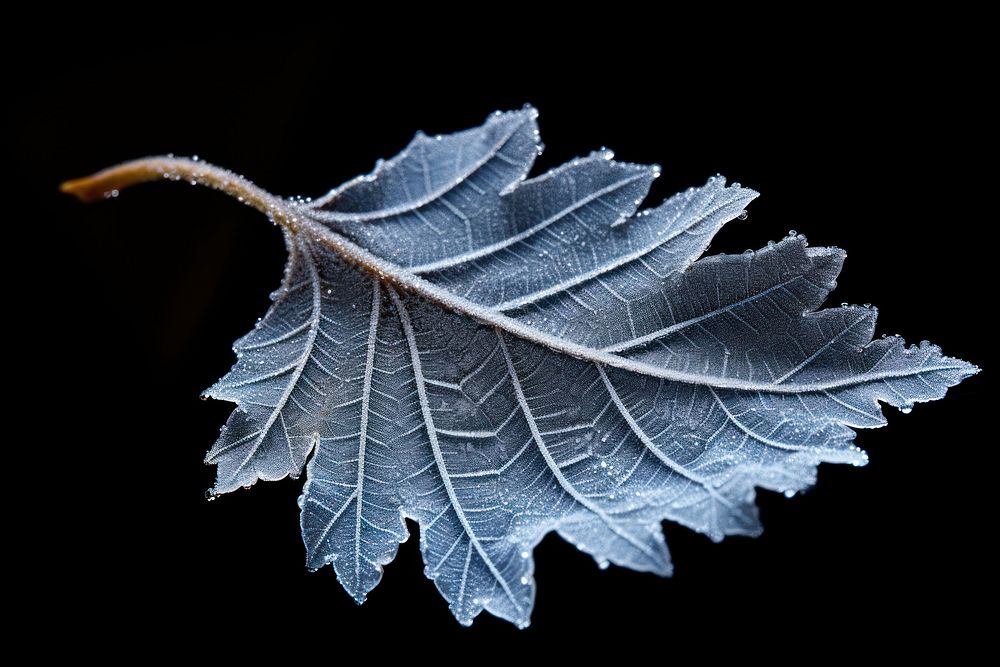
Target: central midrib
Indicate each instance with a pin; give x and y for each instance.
(393, 274)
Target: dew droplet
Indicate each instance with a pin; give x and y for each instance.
(743, 215)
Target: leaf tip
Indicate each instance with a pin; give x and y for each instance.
(968, 370)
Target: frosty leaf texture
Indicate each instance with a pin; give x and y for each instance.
(497, 358)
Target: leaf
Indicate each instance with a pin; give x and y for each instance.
(497, 358)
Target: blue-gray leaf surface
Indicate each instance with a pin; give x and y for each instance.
(497, 358)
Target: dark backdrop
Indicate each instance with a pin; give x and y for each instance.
(863, 140)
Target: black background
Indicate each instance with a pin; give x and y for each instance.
(865, 140)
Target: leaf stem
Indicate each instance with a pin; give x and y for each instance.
(108, 183)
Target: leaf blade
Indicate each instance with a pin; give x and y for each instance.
(532, 386)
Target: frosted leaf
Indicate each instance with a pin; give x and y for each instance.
(498, 358)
